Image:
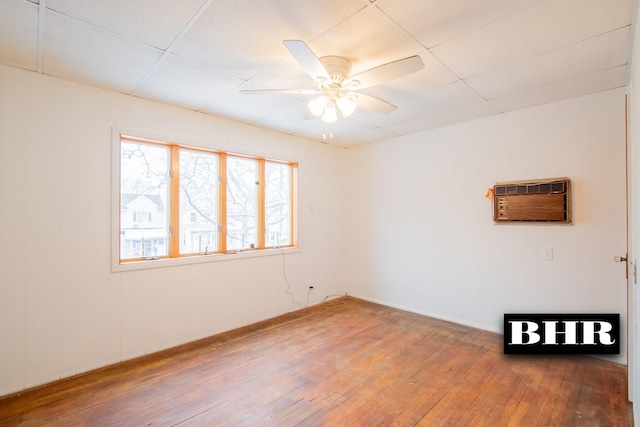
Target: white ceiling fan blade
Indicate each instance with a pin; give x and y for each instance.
(278, 91)
(307, 59)
(387, 72)
(374, 104)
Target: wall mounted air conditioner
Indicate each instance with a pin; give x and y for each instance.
(537, 201)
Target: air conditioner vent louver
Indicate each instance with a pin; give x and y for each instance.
(546, 200)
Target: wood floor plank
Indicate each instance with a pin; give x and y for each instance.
(347, 362)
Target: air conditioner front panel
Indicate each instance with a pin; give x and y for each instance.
(533, 201)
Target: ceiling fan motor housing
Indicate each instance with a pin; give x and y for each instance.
(337, 67)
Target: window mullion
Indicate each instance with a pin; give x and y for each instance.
(222, 182)
(293, 203)
(174, 203)
(261, 223)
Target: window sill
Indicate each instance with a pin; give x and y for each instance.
(199, 259)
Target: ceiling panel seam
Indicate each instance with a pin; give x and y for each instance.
(396, 24)
(426, 49)
(339, 23)
(42, 8)
(592, 37)
(486, 24)
(103, 29)
(540, 54)
(556, 82)
(175, 41)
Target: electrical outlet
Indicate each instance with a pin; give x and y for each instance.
(547, 253)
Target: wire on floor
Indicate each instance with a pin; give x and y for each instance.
(332, 304)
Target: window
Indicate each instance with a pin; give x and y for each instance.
(143, 189)
(242, 203)
(178, 201)
(199, 201)
(278, 178)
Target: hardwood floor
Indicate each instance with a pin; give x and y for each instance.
(347, 362)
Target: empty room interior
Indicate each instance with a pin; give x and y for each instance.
(265, 212)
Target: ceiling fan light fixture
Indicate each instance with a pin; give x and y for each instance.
(347, 104)
(318, 105)
(329, 115)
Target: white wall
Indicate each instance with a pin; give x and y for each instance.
(420, 231)
(62, 310)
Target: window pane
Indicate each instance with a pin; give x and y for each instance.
(242, 202)
(277, 204)
(198, 202)
(143, 200)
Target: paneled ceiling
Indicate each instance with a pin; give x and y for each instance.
(482, 57)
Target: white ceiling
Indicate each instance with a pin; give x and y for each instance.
(482, 57)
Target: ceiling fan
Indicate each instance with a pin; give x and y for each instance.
(336, 88)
